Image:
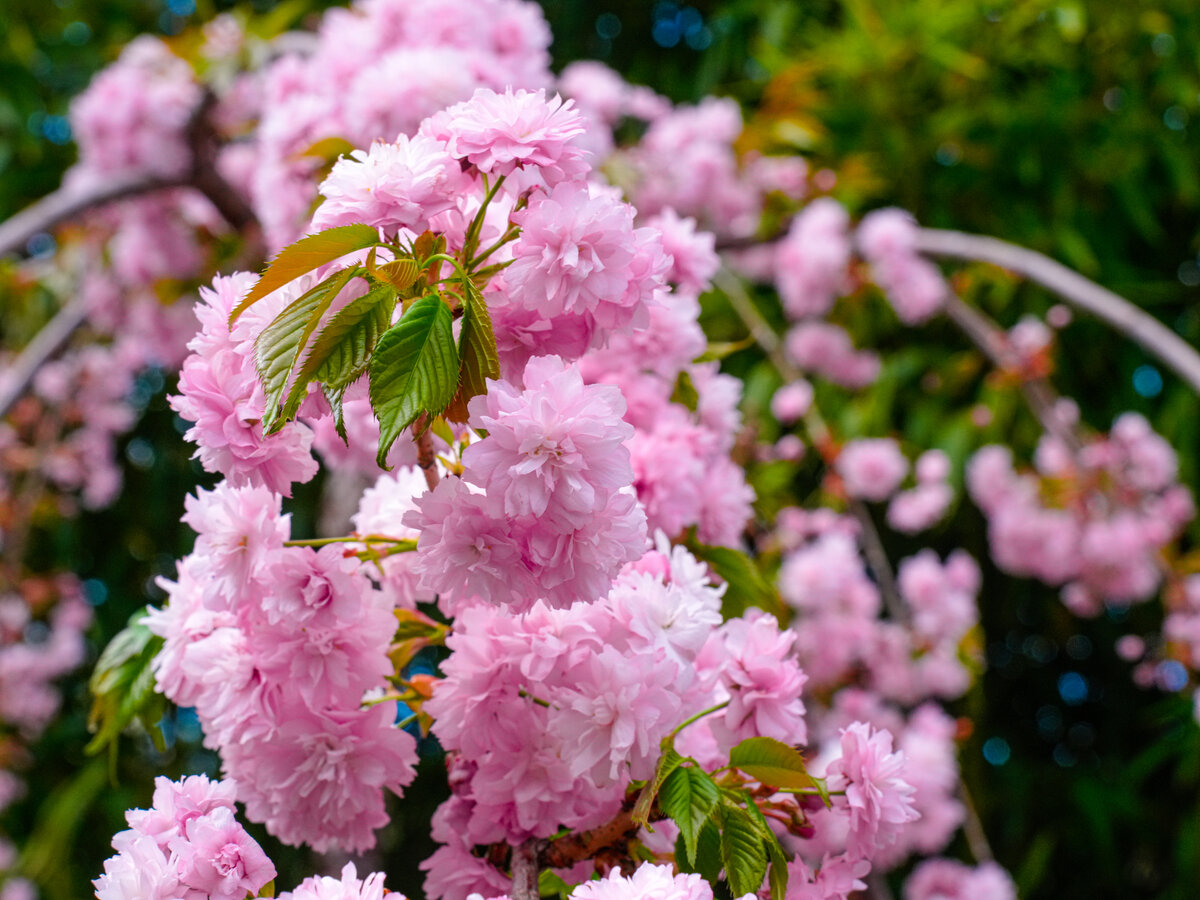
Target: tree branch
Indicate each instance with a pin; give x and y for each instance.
(991, 340)
(16, 379)
(1157, 339)
(67, 202)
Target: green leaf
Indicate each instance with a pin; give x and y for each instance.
(477, 352)
(771, 762)
(778, 876)
(706, 861)
(122, 684)
(281, 343)
(746, 586)
(685, 392)
(268, 889)
(742, 851)
(667, 763)
(689, 796)
(414, 369)
(340, 352)
(305, 255)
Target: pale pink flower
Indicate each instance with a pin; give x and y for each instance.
(648, 882)
(871, 468)
(391, 186)
(348, 887)
(948, 879)
(499, 133)
(216, 856)
(555, 450)
(878, 797)
(812, 259)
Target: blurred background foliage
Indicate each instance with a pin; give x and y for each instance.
(1071, 127)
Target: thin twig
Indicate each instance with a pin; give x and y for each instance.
(1156, 338)
(991, 340)
(973, 827)
(877, 559)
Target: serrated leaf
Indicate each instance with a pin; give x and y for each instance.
(706, 861)
(414, 370)
(479, 359)
(771, 762)
(305, 255)
(689, 796)
(667, 763)
(340, 352)
(399, 273)
(746, 586)
(742, 851)
(778, 876)
(281, 343)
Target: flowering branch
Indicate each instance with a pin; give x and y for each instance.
(1154, 337)
(991, 340)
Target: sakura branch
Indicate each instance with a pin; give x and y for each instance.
(1152, 335)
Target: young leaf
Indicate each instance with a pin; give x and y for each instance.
(706, 861)
(281, 343)
(340, 352)
(414, 369)
(771, 762)
(477, 353)
(689, 796)
(667, 763)
(122, 684)
(305, 255)
(742, 851)
(399, 273)
(685, 393)
(746, 585)
(778, 876)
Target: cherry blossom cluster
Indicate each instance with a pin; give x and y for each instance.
(275, 647)
(410, 59)
(188, 845)
(1093, 519)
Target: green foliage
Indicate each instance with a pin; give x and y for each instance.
(303, 256)
(745, 585)
(414, 370)
(689, 796)
(478, 357)
(743, 853)
(122, 687)
(771, 762)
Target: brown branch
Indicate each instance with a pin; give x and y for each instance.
(67, 202)
(15, 380)
(568, 850)
(1157, 339)
(992, 341)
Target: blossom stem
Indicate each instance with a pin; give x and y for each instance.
(426, 460)
(472, 238)
(351, 539)
(697, 717)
